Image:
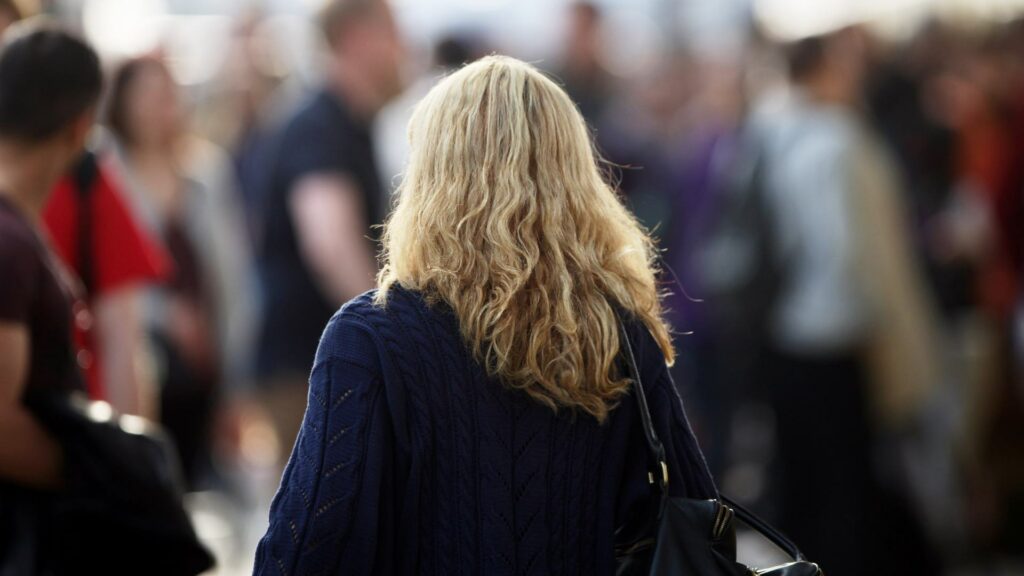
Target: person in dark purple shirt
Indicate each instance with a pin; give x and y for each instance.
(49, 85)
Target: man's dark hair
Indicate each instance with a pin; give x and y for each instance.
(48, 78)
(805, 57)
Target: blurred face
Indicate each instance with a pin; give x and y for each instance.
(584, 32)
(373, 44)
(153, 109)
(846, 62)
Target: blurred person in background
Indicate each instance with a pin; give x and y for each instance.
(323, 195)
(581, 70)
(98, 236)
(849, 336)
(391, 125)
(470, 416)
(630, 121)
(644, 125)
(984, 100)
(709, 122)
(246, 100)
(50, 82)
(181, 189)
(906, 101)
(950, 104)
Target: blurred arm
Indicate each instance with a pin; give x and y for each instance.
(120, 337)
(328, 215)
(27, 454)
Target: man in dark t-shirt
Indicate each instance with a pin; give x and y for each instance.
(322, 141)
(49, 84)
(322, 196)
(35, 293)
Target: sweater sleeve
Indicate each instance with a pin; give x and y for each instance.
(691, 477)
(327, 512)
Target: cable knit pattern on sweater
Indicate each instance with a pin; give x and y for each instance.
(412, 461)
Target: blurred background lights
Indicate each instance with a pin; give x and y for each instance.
(124, 27)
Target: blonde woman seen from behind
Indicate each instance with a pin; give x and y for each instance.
(471, 415)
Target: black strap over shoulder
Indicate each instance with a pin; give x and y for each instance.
(85, 172)
(657, 450)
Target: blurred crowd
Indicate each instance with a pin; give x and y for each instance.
(842, 225)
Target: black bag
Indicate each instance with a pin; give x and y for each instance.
(120, 510)
(686, 536)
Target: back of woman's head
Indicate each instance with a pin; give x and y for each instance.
(49, 78)
(503, 214)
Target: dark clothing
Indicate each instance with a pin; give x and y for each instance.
(189, 381)
(832, 501)
(321, 138)
(697, 202)
(32, 294)
(926, 151)
(412, 461)
(825, 468)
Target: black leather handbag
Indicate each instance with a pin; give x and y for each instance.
(120, 510)
(686, 536)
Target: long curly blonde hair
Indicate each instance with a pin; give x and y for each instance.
(503, 214)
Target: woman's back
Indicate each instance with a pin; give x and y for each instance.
(413, 461)
(470, 416)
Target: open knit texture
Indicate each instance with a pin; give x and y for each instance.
(411, 460)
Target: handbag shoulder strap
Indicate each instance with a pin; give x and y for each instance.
(658, 476)
(84, 178)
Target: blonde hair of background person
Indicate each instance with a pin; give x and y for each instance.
(516, 229)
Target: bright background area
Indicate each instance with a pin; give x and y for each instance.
(194, 32)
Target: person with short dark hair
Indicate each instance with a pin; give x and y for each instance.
(847, 335)
(50, 82)
(586, 79)
(322, 197)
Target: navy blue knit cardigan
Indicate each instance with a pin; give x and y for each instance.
(412, 461)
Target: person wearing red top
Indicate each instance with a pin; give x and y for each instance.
(95, 234)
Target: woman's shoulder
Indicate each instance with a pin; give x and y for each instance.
(369, 324)
(646, 350)
(379, 312)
